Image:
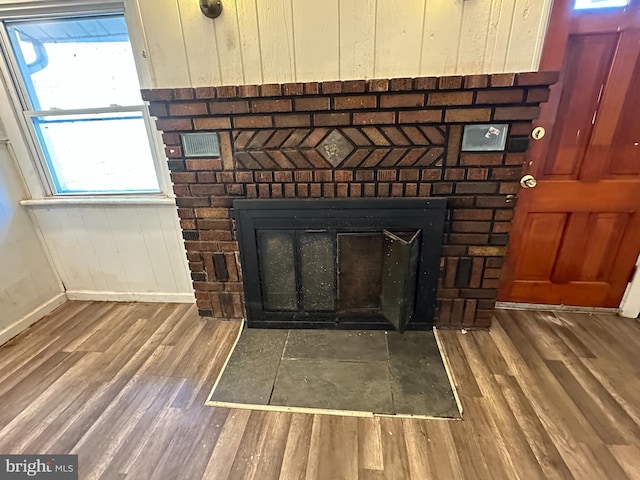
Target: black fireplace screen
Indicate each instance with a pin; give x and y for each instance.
(340, 263)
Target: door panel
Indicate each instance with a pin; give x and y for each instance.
(576, 236)
(579, 101)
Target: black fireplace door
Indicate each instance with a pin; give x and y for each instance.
(399, 271)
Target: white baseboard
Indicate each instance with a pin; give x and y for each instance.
(130, 296)
(32, 317)
(561, 308)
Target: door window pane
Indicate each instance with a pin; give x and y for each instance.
(83, 156)
(590, 4)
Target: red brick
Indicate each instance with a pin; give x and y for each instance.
(369, 190)
(187, 109)
(171, 138)
(409, 175)
(411, 189)
(173, 152)
(158, 109)
(263, 177)
(432, 174)
(303, 176)
(343, 176)
(204, 164)
(464, 115)
(355, 190)
(204, 92)
(246, 91)
(283, 121)
(183, 177)
(498, 96)
(354, 86)
(331, 87)
(252, 121)
(186, 213)
(502, 80)
(424, 190)
(270, 90)
(425, 83)
(477, 173)
(492, 201)
(450, 83)
(283, 176)
(311, 88)
(468, 239)
(289, 190)
(354, 102)
(450, 98)
(503, 215)
(268, 106)
(537, 95)
(506, 173)
(342, 190)
(402, 100)
(264, 191)
(476, 81)
(454, 174)
(383, 189)
(400, 84)
(170, 124)
(226, 108)
(315, 190)
(328, 190)
(475, 214)
(378, 85)
(471, 227)
(501, 227)
(276, 190)
(157, 94)
(227, 91)
(476, 187)
(516, 113)
(212, 212)
(420, 116)
(310, 104)
(331, 119)
(386, 175)
(537, 78)
(293, 88)
(211, 123)
(397, 189)
(507, 188)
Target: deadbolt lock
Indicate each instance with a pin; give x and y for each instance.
(528, 181)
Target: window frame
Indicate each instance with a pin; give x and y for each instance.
(22, 107)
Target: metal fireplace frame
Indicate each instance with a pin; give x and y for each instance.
(340, 215)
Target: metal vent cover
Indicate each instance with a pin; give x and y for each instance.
(201, 144)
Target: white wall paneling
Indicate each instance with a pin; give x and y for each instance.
(266, 41)
(357, 39)
(131, 250)
(630, 305)
(29, 286)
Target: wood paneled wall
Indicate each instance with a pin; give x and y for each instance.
(27, 278)
(117, 252)
(278, 41)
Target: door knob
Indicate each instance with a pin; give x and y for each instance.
(528, 181)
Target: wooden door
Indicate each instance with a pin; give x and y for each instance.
(576, 235)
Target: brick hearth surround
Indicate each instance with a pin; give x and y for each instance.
(406, 137)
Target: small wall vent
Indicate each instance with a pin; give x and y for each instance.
(201, 144)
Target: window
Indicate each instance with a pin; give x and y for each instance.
(81, 100)
(592, 4)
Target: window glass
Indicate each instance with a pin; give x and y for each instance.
(84, 63)
(76, 63)
(590, 4)
(81, 151)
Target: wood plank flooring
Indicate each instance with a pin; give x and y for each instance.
(545, 395)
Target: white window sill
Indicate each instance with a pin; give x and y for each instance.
(96, 200)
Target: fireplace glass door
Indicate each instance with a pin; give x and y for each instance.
(362, 269)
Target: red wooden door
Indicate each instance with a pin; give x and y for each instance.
(576, 235)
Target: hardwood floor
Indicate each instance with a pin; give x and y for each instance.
(545, 395)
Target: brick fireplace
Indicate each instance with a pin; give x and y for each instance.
(353, 139)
